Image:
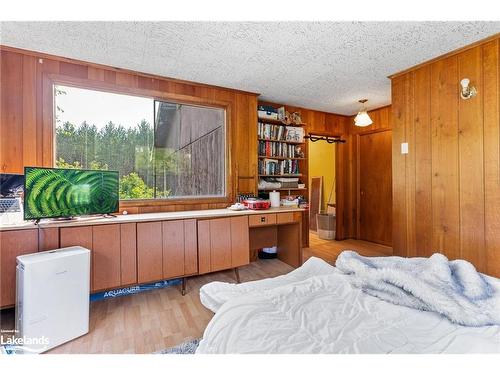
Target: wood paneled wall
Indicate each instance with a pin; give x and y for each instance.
(446, 190)
(26, 124)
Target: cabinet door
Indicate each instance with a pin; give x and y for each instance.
(128, 239)
(240, 247)
(220, 244)
(48, 239)
(203, 246)
(190, 248)
(12, 244)
(78, 236)
(173, 249)
(149, 252)
(106, 256)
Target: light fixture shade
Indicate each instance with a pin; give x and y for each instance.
(362, 119)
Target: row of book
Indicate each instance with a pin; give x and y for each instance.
(277, 149)
(278, 167)
(280, 132)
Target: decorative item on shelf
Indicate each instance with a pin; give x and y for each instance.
(287, 120)
(315, 138)
(281, 113)
(274, 197)
(294, 134)
(296, 119)
(362, 118)
(467, 91)
(267, 112)
(298, 152)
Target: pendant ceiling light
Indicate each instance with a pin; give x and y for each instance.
(362, 118)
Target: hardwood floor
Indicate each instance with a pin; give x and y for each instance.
(155, 320)
(329, 250)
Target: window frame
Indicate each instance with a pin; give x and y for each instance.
(49, 127)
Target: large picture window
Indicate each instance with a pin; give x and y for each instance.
(161, 149)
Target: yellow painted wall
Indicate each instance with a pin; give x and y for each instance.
(322, 163)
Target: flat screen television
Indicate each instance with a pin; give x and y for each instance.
(64, 193)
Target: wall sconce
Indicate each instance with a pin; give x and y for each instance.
(467, 91)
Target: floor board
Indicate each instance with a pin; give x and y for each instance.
(154, 320)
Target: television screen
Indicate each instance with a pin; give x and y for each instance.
(53, 193)
(11, 185)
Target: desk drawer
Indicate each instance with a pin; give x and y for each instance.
(260, 220)
(288, 217)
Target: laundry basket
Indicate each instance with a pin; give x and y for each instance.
(326, 226)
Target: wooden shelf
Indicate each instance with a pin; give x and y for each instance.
(279, 158)
(277, 122)
(289, 142)
(281, 175)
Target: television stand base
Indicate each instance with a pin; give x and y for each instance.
(108, 215)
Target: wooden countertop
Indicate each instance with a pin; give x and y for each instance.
(156, 216)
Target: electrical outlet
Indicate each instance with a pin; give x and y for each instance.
(404, 148)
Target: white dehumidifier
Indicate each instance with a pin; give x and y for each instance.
(52, 298)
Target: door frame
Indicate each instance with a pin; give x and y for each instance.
(340, 179)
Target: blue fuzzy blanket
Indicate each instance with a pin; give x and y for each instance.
(453, 289)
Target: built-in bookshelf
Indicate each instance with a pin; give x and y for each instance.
(281, 157)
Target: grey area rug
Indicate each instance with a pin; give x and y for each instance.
(187, 347)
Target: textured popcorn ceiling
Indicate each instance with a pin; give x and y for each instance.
(320, 65)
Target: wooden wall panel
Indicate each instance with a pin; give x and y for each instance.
(26, 126)
(491, 117)
(400, 99)
(11, 113)
(423, 164)
(453, 165)
(445, 162)
(471, 162)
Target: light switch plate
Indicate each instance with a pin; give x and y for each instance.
(404, 148)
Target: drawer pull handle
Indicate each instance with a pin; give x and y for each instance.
(262, 219)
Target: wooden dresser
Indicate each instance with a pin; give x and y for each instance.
(143, 248)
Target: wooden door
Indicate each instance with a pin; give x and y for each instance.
(173, 249)
(375, 187)
(240, 244)
(106, 259)
(149, 252)
(12, 244)
(220, 244)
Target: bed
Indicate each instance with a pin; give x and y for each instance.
(316, 309)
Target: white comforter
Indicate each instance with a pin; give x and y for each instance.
(316, 310)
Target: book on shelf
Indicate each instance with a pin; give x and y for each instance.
(280, 132)
(277, 149)
(278, 167)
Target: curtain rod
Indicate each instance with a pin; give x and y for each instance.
(315, 138)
